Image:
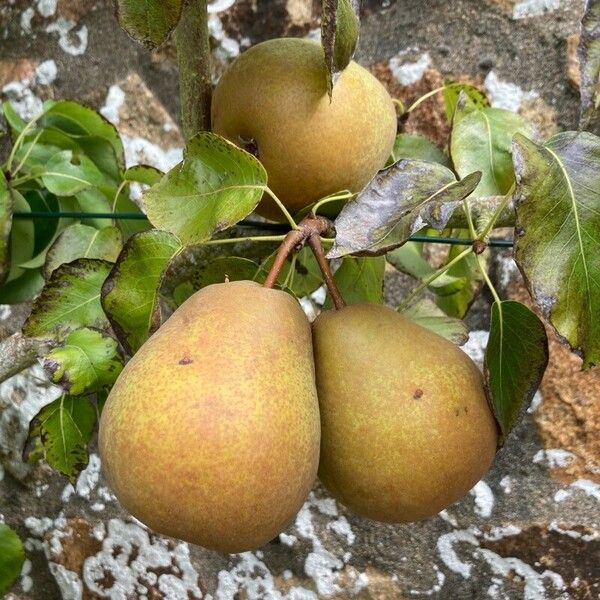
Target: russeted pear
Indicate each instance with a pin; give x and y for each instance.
(405, 425)
(211, 432)
(273, 100)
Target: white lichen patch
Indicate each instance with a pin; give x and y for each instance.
(506, 484)
(525, 9)
(484, 499)
(536, 586)
(253, 578)
(71, 41)
(25, 21)
(47, 8)
(476, 345)
(554, 457)
(499, 533)
(21, 398)
(504, 94)
(435, 588)
(588, 487)
(325, 559)
(408, 72)
(534, 582)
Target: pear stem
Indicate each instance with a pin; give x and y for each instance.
(194, 61)
(310, 227)
(291, 241)
(314, 241)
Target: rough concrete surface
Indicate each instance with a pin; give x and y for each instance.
(530, 530)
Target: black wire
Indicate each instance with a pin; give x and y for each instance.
(497, 243)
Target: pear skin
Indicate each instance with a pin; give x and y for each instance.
(406, 429)
(273, 100)
(211, 433)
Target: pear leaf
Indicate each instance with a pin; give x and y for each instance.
(454, 92)
(149, 21)
(340, 26)
(418, 147)
(69, 300)
(130, 293)
(589, 61)
(143, 174)
(12, 557)
(97, 137)
(558, 234)
(64, 428)
(426, 314)
(87, 361)
(22, 289)
(456, 301)
(410, 260)
(66, 174)
(216, 185)
(398, 202)
(6, 211)
(515, 360)
(360, 280)
(22, 236)
(82, 241)
(481, 141)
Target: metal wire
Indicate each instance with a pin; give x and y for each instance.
(430, 239)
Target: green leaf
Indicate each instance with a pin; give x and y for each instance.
(426, 314)
(340, 25)
(453, 92)
(143, 174)
(589, 61)
(481, 141)
(216, 185)
(129, 227)
(397, 203)
(417, 147)
(41, 200)
(22, 237)
(92, 200)
(6, 211)
(12, 557)
(558, 234)
(149, 21)
(230, 268)
(515, 360)
(82, 241)
(64, 429)
(409, 259)
(70, 300)
(67, 174)
(22, 289)
(87, 361)
(46, 230)
(360, 280)
(97, 137)
(456, 303)
(130, 294)
(14, 120)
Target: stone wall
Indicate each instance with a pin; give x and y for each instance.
(530, 530)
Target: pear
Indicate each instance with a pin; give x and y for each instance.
(406, 429)
(273, 101)
(211, 433)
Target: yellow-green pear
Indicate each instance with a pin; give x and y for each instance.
(211, 432)
(405, 425)
(273, 100)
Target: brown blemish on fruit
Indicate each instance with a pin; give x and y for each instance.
(418, 394)
(186, 360)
